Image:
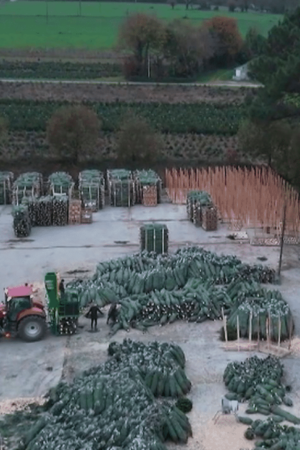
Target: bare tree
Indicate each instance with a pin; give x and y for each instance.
(137, 141)
(73, 130)
(187, 48)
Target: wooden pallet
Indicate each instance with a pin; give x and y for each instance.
(242, 346)
(74, 212)
(271, 349)
(149, 196)
(235, 225)
(265, 241)
(209, 219)
(86, 216)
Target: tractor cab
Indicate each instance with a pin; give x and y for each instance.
(22, 314)
(17, 300)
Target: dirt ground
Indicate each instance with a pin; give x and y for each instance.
(29, 370)
(80, 92)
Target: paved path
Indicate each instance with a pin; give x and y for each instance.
(138, 83)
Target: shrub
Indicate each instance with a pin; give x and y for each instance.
(72, 130)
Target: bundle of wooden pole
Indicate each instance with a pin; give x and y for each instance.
(255, 196)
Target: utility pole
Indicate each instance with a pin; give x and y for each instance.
(47, 12)
(80, 8)
(282, 237)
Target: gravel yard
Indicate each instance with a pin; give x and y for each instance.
(29, 370)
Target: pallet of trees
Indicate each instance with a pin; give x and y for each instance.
(154, 238)
(60, 183)
(75, 207)
(28, 184)
(30, 202)
(21, 221)
(209, 218)
(196, 201)
(121, 187)
(60, 210)
(148, 187)
(86, 215)
(92, 189)
(6, 183)
(43, 211)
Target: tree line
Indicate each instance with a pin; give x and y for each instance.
(178, 49)
(272, 129)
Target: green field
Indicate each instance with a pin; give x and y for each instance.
(25, 24)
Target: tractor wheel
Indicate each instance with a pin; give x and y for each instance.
(32, 328)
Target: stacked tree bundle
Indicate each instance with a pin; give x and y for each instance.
(27, 185)
(21, 222)
(148, 187)
(154, 238)
(60, 210)
(159, 289)
(60, 183)
(196, 201)
(43, 212)
(6, 182)
(30, 202)
(259, 382)
(209, 218)
(75, 212)
(273, 435)
(121, 187)
(92, 191)
(262, 311)
(127, 402)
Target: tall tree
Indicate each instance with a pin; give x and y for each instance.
(278, 65)
(187, 48)
(140, 34)
(229, 40)
(254, 44)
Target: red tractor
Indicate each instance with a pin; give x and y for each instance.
(22, 315)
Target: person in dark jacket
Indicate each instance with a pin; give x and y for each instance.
(112, 313)
(93, 312)
(62, 287)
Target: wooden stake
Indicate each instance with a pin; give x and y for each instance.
(279, 330)
(258, 332)
(238, 331)
(269, 316)
(267, 332)
(250, 328)
(225, 326)
(290, 331)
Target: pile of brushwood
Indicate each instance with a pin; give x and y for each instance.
(258, 381)
(192, 284)
(127, 402)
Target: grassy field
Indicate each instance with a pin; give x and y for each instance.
(25, 24)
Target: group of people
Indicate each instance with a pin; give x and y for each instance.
(93, 314)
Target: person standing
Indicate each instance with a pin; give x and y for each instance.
(62, 287)
(93, 312)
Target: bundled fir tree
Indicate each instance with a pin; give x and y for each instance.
(60, 210)
(21, 222)
(44, 211)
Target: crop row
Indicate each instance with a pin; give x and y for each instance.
(168, 118)
(58, 70)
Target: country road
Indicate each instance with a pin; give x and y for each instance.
(132, 83)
